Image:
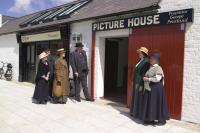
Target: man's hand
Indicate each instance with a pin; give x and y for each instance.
(76, 74)
(58, 83)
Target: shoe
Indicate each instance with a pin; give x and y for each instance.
(50, 98)
(71, 95)
(62, 102)
(90, 99)
(43, 102)
(78, 99)
(131, 114)
(149, 123)
(161, 123)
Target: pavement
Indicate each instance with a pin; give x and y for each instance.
(19, 115)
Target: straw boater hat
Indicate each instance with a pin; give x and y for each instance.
(42, 55)
(144, 50)
(60, 51)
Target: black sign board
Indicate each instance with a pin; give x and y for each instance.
(172, 17)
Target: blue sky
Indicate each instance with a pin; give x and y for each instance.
(22, 7)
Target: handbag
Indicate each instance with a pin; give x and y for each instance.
(57, 91)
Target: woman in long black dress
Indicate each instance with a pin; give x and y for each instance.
(154, 102)
(139, 71)
(41, 92)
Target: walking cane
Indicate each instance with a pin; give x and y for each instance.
(72, 99)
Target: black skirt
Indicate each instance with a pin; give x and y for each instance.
(135, 109)
(154, 105)
(41, 92)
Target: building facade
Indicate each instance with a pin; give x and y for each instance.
(111, 49)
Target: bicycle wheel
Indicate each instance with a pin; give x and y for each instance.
(1, 73)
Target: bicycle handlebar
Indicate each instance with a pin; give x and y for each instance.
(4, 63)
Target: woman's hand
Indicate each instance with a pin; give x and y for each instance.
(145, 78)
(140, 88)
(46, 78)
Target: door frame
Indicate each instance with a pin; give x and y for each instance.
(97, 82)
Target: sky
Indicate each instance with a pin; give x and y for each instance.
(18, 8)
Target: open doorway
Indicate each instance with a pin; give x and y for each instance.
(116, 62)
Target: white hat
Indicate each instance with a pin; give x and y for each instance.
(60, 51)
(42, 55)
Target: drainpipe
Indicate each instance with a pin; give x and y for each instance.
(0, 20)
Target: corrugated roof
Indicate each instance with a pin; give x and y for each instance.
(93, 9)
(6, 18)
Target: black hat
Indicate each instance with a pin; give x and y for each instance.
(79, 44)
(155, 56)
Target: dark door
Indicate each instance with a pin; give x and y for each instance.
(111, 68)
(30, 63)
(169, 41)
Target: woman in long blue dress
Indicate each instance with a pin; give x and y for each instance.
(154, 108)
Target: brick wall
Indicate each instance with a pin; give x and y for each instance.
(191, 85)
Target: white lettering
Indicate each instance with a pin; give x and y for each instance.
(130, 22)
(136, 21)
(121, 24)
(95, 27)
(156, 19)
(116, 24)
(143, 20)
(149, 20)
(101, 26)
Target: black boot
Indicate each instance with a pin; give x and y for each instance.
(161, 123)
(78, 99)
(90, 99)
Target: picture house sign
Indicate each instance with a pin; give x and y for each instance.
(172, 17)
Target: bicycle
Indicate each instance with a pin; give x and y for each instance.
(8, 74)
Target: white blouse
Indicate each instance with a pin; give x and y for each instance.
(157, 78)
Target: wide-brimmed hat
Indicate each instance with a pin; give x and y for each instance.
(42, 55)
(144, 50)
(155, 55)
(60, 51)
(79, 44)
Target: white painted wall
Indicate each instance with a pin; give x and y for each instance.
(100, 58)
(9, 52)
(191, 91)
(85, 28)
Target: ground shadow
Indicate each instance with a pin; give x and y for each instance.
(122, 108)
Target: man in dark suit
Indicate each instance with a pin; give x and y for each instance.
(79, 64)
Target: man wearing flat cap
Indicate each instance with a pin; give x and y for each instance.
(79, 64)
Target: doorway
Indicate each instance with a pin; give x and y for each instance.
(115, 74)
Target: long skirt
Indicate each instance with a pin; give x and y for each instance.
(154, 105)
(136, 102)
(41, 92)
